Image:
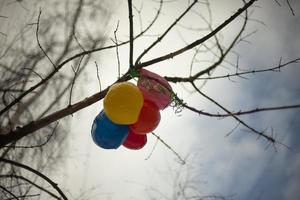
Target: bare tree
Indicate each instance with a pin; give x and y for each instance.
(46, 57)
(50, 33)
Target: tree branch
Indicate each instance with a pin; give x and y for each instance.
(33, 126)
(165, 33)
(9, 192)
(54, 185)
(63, 63)
(130, 33)
(267, 137)
(199, 41)
(32, 183)
(38, 41)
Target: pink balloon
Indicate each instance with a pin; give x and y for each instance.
(155, 88)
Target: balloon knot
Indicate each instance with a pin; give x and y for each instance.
(134, 72)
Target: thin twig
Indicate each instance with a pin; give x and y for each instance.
(77, 41)
(117, 49)
(98, 77)
(139, 11)
(74, 78)
(291, 8)
(34, 72)
(277, 2)
(38, 41)
(232, 130)
(3, 34)
(77, 69)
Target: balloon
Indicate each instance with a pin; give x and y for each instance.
(149, 119)
(123, 102)
(155, 88)
(107, 134)
(135, 141)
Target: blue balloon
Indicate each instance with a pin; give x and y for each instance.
(107, 134)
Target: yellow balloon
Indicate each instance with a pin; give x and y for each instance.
(123, 103)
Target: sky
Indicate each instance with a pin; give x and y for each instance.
(239, 166)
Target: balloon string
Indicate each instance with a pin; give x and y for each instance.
(152, 150)
(176, 103)
(182, 161)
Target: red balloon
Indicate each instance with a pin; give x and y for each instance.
(148, 120)
(135, 141)
(155, 88)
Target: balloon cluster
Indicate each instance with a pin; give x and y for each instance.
(130, 111)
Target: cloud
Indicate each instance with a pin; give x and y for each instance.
(238, 164)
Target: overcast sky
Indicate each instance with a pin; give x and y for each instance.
(238, 166)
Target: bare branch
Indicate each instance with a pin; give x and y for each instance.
(39, 145)
(238, 74)
(234, 128)
(54, 185)
(9, 192)
(20, 132)
(117, 50)
(139, 11)
(77, 41)
(165, 33)
(277, 2)
(32, 183)
(24, 196)
(267, 137)
(246, 112)
(199, 41)
(98, 77)
(291, 8)
(130, 33)
(38, 41)
(61, 94)
(74, 78)
(36, 73)
(63, 63)
(3, 34)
